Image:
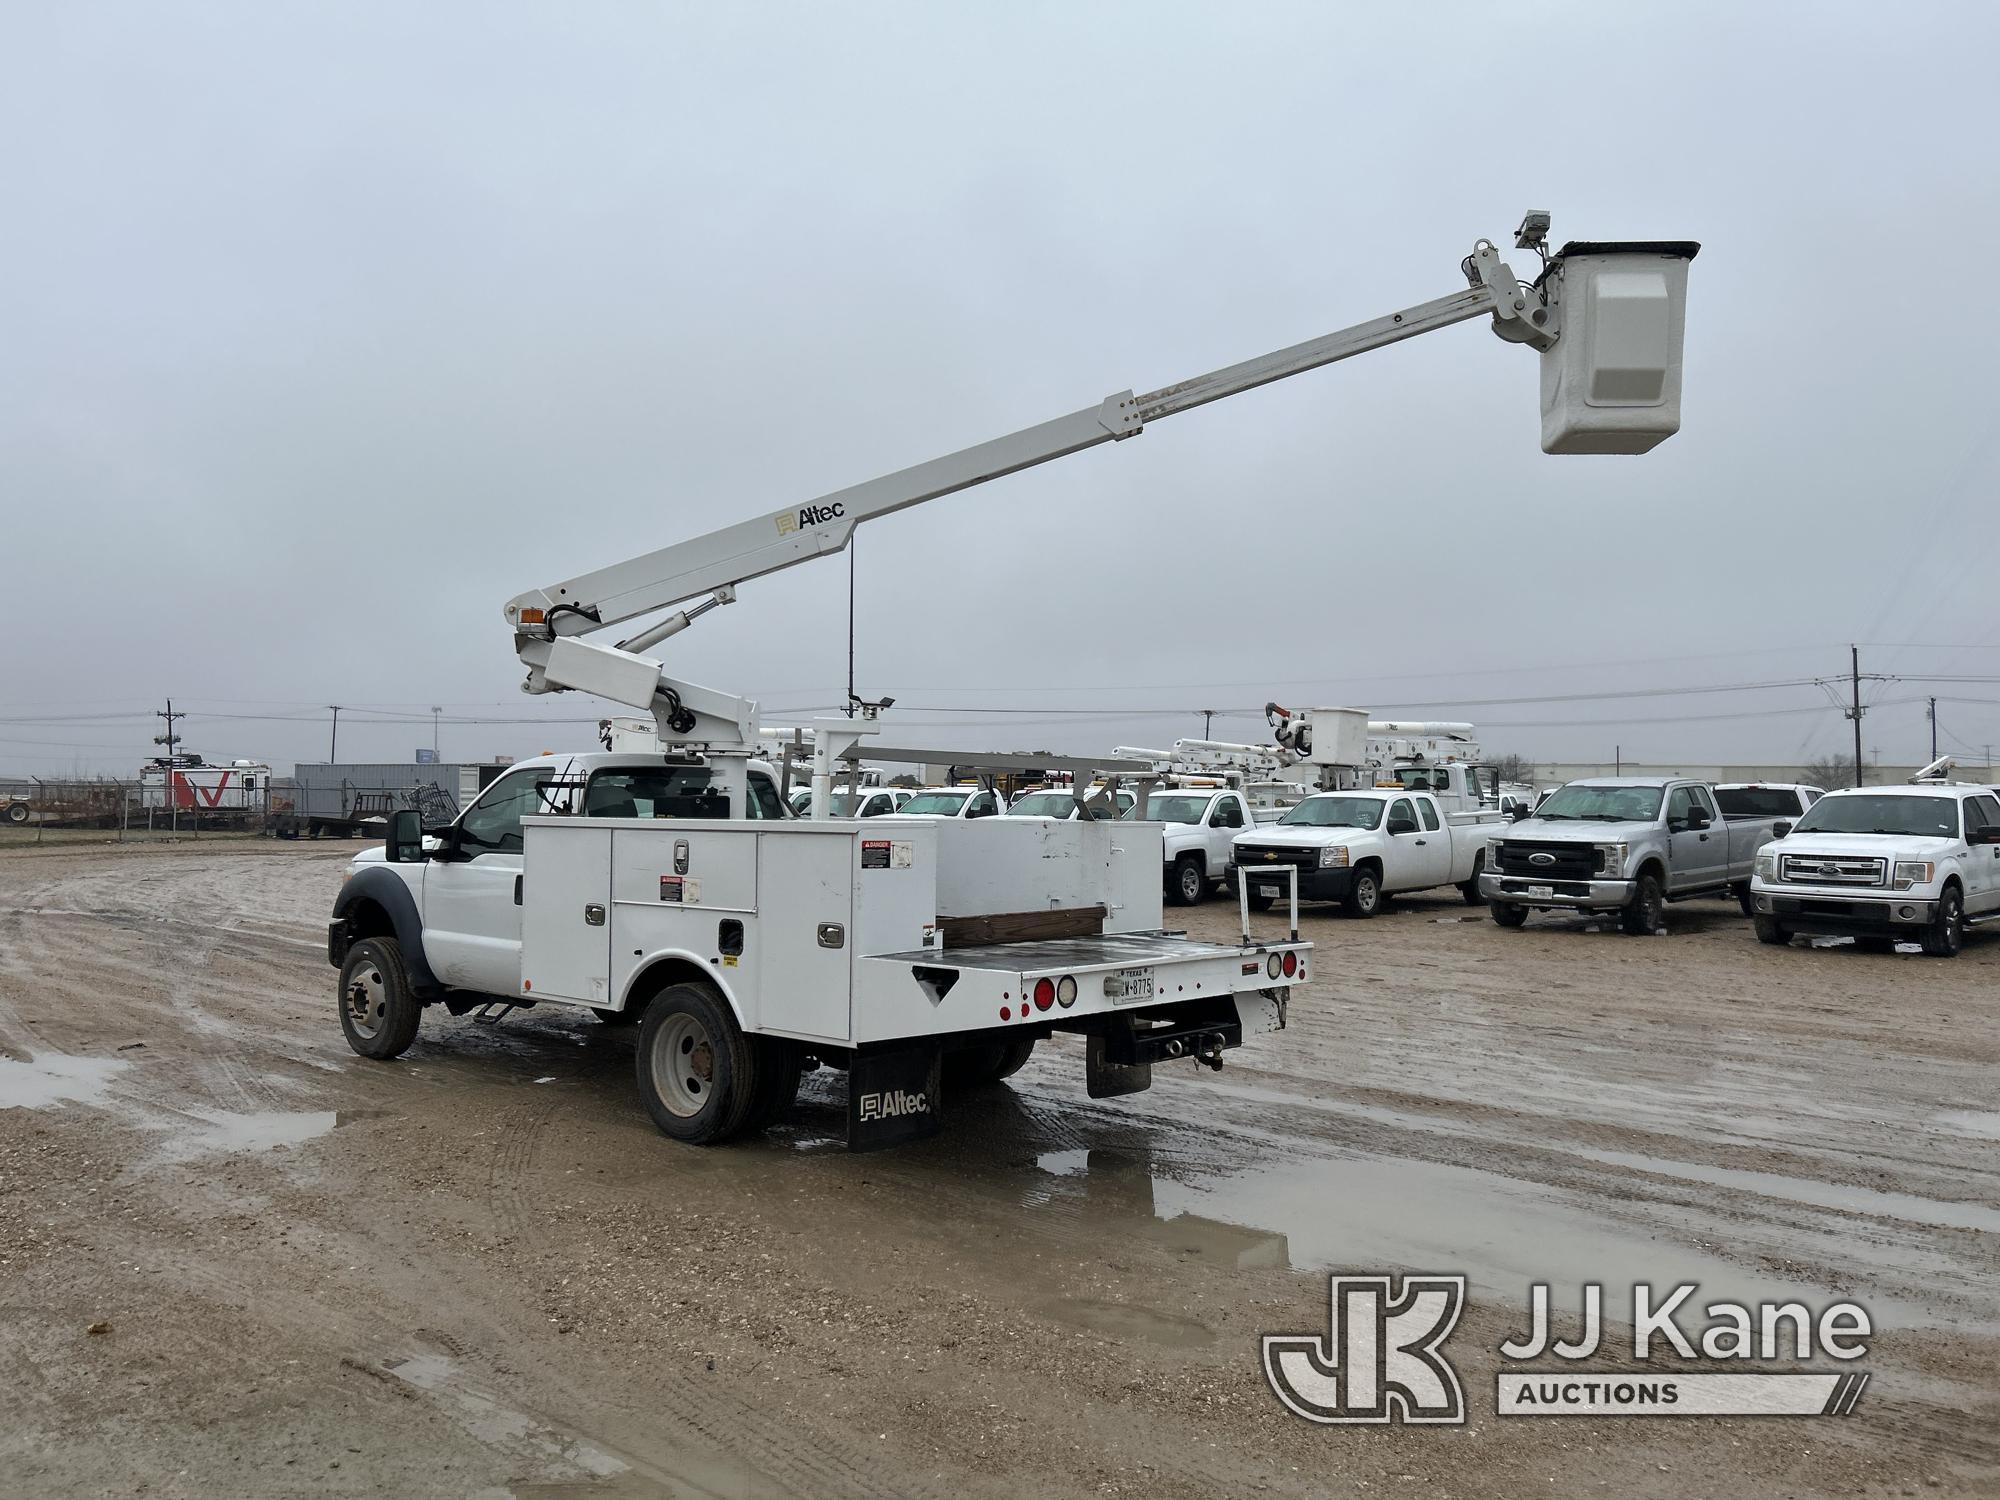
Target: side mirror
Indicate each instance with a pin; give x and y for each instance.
(1698, 818)
(1401, 825)
(405, 842)
(1988, 835)
(1780, 828)
(1522, 810)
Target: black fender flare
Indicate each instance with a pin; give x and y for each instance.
(381, 886)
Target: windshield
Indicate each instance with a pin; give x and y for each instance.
(1423, 778)
(942, 804)
(1757, 801)
(1911, 817)
(1172, 810)
(845, 804)
(1602, 804)
(1335, 812)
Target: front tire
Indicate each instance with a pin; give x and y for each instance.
(1742, 893)
(1648, 912)
(1190, 881)
(1256, 900)
(1946, 934)
(1770, 930)
(1364, 898)
(378, 1011)
(1469, 891)
(697, 1075)
(1508, 914)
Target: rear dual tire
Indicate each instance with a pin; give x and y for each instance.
(701, 1079)
(982, 1067)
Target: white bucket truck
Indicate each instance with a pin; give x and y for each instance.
(673, 887)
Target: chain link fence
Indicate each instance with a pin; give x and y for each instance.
(40, 810)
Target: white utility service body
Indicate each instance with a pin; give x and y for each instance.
(836, 932)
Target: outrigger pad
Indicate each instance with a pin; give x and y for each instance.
(892, 1096)
(1107, 1080)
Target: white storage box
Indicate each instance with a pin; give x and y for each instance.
(1612, 383)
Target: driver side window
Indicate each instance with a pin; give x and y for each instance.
(492, 825)
(1678, 804)
(1401, 818)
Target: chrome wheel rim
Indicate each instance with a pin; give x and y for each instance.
(1190, 882)
(684, 1066)
(366, 999)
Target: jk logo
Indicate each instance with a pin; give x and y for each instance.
(1380, 1360)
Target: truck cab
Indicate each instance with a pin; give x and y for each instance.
(1201, 824)
(465, 897)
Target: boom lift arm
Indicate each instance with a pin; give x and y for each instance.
(550, 622)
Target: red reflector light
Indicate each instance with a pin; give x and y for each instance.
(1045, 993)
(1006, 1013)
(1291, 964)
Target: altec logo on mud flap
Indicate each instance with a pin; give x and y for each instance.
(808, 515)
(1382, 1360)
(893, 1105)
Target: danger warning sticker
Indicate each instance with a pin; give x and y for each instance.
(875, 854)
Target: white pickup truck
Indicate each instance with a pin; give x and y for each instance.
(1201, 824)
(1360, 847)
(952, 802)
(1919, 862)
(921, 955)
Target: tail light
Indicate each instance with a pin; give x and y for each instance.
(1066, 992)
(1274, 966)
(1045, 993)
(1291, 965)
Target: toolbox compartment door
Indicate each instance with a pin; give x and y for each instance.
(805, 933)
(566, 914)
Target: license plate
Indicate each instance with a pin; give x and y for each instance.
(1541, 890)
(1128, 986)
(1270, 892)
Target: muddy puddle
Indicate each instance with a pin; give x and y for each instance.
(52, 1078)
(1364, 1213)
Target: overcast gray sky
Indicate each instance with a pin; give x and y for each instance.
(324, 330)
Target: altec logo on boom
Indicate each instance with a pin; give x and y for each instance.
(808, 515)
(1381, 1359)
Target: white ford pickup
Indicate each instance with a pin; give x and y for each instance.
(1918, 862)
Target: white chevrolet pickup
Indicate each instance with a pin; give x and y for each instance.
(1918, 862)
(1200, 825)
(1359, 847)
(923, 956)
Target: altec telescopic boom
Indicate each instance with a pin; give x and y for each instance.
(1614, 388)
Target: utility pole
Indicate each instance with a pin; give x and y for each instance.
(1933, 729)
(435, 711)
(1207, 714)
(170, 740)
(333, 745)
(1854, 669)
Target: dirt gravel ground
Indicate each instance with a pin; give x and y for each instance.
(237, 1260)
